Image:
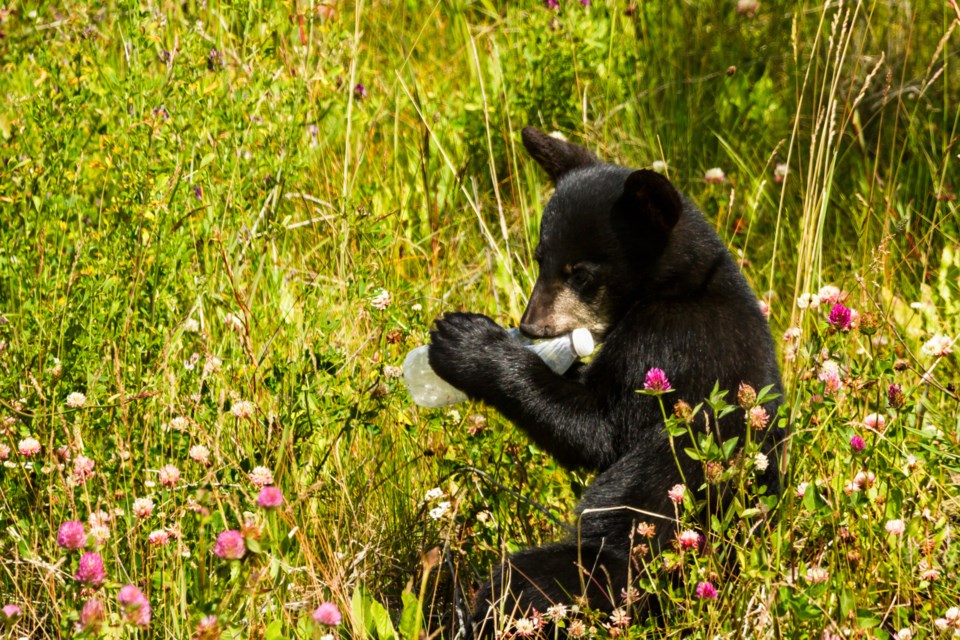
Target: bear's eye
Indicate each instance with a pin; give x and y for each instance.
(580, 276)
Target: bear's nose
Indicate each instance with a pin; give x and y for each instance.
(536, 331)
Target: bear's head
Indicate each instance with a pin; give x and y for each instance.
(601, 236)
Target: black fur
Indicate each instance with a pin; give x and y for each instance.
(624, 251)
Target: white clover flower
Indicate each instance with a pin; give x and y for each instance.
(808, 300)
(440, 510)
(557, 612)
(939, 346)
(714, 176)
(212, 365)
(780, 172)
(381, 300)
(392, 371)
(190, 325)
(761, 462)
(895, 527)
(660, 166)
(433, 494)
(242, 409)
(829, 295)
(676, 493)
(233, 322)
(76, 400)
(816, 575)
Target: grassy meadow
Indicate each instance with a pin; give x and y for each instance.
(224, 224)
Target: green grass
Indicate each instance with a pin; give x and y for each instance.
(149, 188)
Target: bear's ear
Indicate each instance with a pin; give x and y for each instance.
(556, 156)
(654, 196)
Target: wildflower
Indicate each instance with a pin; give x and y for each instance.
(939, 346)
(92, 615)
(177, 424)
(706, 590)
(689, 539)
(158, 538)
(90, 571)
(557, 612)
(746, 396)
(577, 629)
(29, 447)
(875, 421)
(524, 628)
(864, 480)
(676, 493)
(764, 308)
(392, 371)
(4, 452)
(230, 545)
(829, 294)
(233, 322)
(190, 325)
(270, 498)
(761, 462)
(830, 376)
(261, 476)
(895, 527)
(438, 512)
(857, 444)
(791, 334)
(802, 489)
(646, 530)
(758, 418)
(76, 400)
(242, 409)
(656, 381)
(199, 453)
(816, 575)
(198, 192)
(895, 397)
(903, 634)
(207, 629)
(433, 494)
(99, 518)
(619, 617)
(551, 4)
(381, 300)
(72, 535)
(660, 166)
(136, 607)
(169, 475)
(714, 176)
(327, 613)
(214, 59)
(212, 365)
(683, 411)
(100, 534)
(82, 468)
(780, 172)
(143, 507)
(840, 317)
(11, 613)
(868, 324)
(360, 91)
(808, 300)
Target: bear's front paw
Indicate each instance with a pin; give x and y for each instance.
(466, 350)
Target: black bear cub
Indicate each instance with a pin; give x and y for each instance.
(622, 253)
